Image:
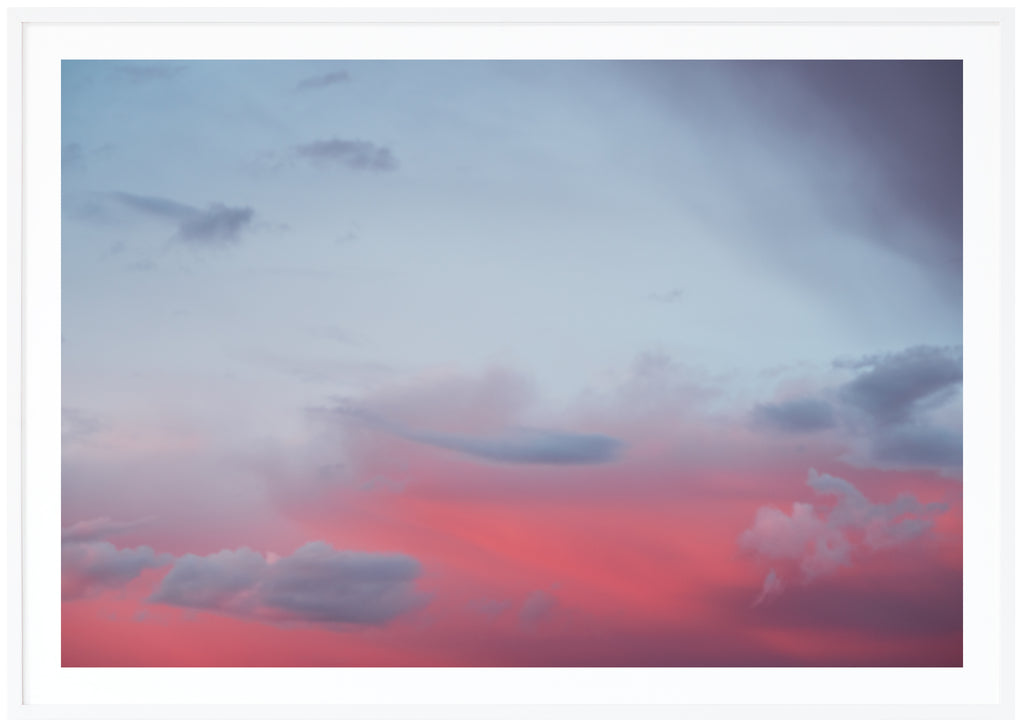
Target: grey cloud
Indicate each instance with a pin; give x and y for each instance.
(321, 81)
(518, 446)
(897, 383)
(88, 568)
(212, 581)
(98, 529)
(315, 584)
(919, 446)
(795, 415)
(156, 206)
(218, 224)
(355, 154)
(890, 408)
(318, 583)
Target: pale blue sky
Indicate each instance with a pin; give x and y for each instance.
(377, 219)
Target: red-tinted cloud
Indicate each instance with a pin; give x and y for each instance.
(632, 562)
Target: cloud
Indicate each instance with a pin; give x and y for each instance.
(318, 583)
(896, 385)
(98, 529)
(795, 416)
(321, 81)
(517, 446)
(891, 408)
(211, 582)
(355, 154)
(821, 540)
(917, 446)
(537, 607)
(772, 587)
(218, 224)
(315, 584)
(669, 297)
(90, 567)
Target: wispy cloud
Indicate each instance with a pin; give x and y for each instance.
(517, 446)
(98, 529)
(323, 80)
(670, 296)
(216, 225)
(351, 153)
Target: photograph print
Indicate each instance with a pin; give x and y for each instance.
(511, 363)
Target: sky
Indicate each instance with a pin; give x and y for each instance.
(511, 363)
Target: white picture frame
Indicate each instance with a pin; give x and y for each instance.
(39, 688)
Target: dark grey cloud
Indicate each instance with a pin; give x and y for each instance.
(895, 385)
(795, 416)
(322, 81)
(355, 154)
(919, 446)
(88, 568)
(889, 408)
(518, 446)
(881, 143)
(318, 583)
(315, 584)
(907, 117)
(98, 529)
(216, 225)
(212, 581)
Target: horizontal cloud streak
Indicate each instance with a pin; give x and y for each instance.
(218, 224)
(518, 446)
(98, 529)
(321, 81)
(355, 154)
